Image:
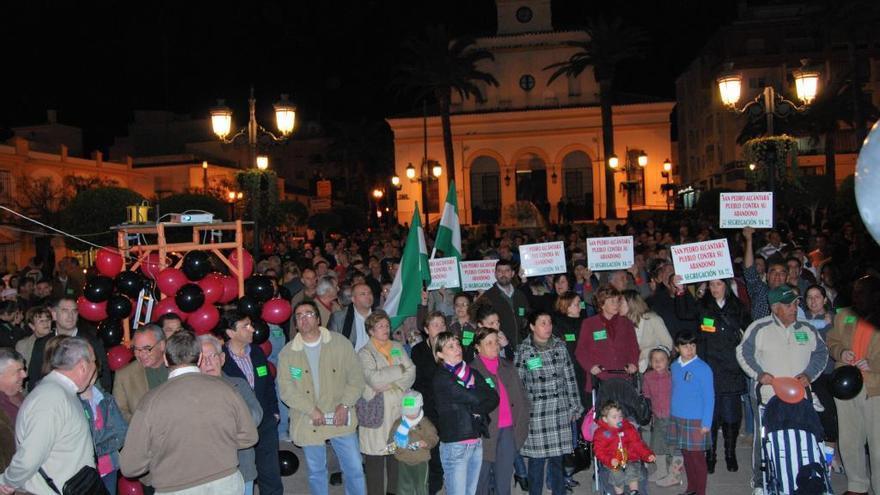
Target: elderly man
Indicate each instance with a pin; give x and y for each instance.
(326, 297)
(66, 316)
(52, 431)
(321, 378)
(211, 363)
(187, 432)
(12, 375)
(779, 345)
(248, 362)
(350, 321)
(147, 372)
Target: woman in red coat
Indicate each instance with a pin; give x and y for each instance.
(607, 340)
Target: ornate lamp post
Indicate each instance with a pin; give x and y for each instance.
(435, 172)
(629, 167)
(668, 187)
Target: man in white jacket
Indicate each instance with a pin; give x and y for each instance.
(52, 431)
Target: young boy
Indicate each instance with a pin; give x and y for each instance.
(412, 438)
(617, 445)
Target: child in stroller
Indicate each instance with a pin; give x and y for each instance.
(618, 446)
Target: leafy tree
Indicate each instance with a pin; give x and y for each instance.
(92, 212)
(610, 42)
(437, 65)
(292, 213)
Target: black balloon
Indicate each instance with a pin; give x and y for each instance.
(249, 307)
(119, 307)
(98, 289)
(261, 331)
(846, 382)
(189, 298)
(196, 265)
(111, 332)
(259, 287)
(129, 283)
(288, 461)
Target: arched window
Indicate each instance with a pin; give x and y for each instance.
(485, 190)
(577, 185)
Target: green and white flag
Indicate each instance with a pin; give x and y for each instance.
(412, 274)
(449, 230)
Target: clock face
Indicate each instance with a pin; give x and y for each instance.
(524, 14)
(527, 82)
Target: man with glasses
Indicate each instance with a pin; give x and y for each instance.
(321, 378)
(66, 317)
(147, 372)
(247, 361)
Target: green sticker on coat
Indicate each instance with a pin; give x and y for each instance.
(490, 382)
(395, 352)
(801, 337)
(708, 322)
(534, 363)
(600, 334)
(296, 373)
(262, 371)
(570, 337)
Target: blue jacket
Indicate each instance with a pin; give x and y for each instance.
(693, 392)
(111, 437)
(264, 386)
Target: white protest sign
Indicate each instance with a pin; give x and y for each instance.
(702, 261)
(748, 209)
(610, 253)
(477, 275)
(444, 273)
(542, 259)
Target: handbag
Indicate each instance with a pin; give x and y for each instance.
(371, 413)
(86, 481)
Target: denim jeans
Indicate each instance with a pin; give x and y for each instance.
(349, 455)
(276, 337)
(461, 466)
(109, 480)
(554, 475)
(249, 487)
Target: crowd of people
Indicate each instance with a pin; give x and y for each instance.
(479, 393)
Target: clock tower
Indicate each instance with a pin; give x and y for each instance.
(523, 16)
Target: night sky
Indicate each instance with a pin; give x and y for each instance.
(96, 61)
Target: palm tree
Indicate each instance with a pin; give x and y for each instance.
(609, 43)
(436, 66)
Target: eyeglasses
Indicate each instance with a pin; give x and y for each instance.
(146, 350)
(213, 355)
(305, 314)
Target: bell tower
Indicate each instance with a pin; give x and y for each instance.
(523, 16)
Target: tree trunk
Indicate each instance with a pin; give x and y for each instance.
(446, 124)
(605, 101)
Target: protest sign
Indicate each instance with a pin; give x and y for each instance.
(477, 275)
(748, 209)
(444, 273)
(542, 259)
(609, 253)
(700, 261)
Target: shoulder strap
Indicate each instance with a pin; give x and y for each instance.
(49, 481)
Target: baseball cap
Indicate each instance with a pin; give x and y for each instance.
(782, 294)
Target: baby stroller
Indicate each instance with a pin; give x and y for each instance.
(625, 389)
(793, 456)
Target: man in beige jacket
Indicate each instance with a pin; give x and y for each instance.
(320, 378)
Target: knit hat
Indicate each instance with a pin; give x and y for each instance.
(412, 403)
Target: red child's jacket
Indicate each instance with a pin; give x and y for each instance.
(605, 441)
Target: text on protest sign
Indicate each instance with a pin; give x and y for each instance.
(749, 209)
(546, 258)
(477, 275)
(444, 273)
(610, 253)
(702, 261)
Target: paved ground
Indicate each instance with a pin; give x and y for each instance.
(720, 483)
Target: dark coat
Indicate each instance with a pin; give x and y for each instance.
(105, 379)
(520, 407)
(568, 329)
(512, 312)
(664, 305)
(264, 386)
(426, 366)
(718, 348)
(463, 412)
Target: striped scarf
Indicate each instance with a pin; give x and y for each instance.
(401, 435)
(463, 372)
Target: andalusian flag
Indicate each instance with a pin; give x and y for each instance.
(449, 231)
(406, 291)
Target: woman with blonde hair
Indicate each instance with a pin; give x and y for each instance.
(651, 332)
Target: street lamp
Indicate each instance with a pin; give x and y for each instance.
(377, 195)
(233, 197)
(395, 181)
(285, 121)
(205, 176)
(436, 170)
(769, 103)
(630, 184)
(668, 187)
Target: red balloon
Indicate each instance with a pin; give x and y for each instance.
(272, 370)
(276, 311)
(204, 319)
(788, 389)
(108, 261)
(247, 262)
(166, 306)
(150, 266)
(230, 289)
(213, 287)
(119, 356)
(169, 280)
(266, 347)
(91, 311)
(127, 486)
